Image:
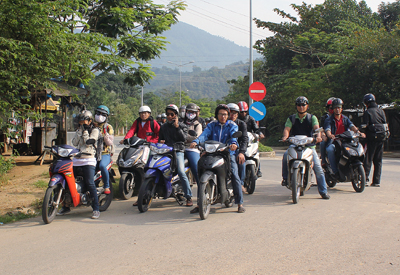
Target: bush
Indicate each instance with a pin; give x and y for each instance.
(5, 166)
(264, 148)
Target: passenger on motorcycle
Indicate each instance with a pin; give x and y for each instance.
(86, 131)
(222, 130)
(107, 132)
(144, 126)
(159, 121)
(336, 125)
(324, 143)
(303, 123)
(163, 118)
(243, 141)
(252, 126)
(182, 111)
(171, 132)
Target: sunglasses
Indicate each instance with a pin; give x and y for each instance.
(100, 114)
(171, 114)
(303, 104)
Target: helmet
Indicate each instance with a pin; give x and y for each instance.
(337, 102)
(103, 110)
(221, 107)
(368, 98)
(207, 119)
(173, 108)
(192, 107)
(233, 107)
(243, 106)
(85, 115)
(144, 109)
(329, 102)
(158, 116)
(182, 108)
(163, 115)
(301, 100)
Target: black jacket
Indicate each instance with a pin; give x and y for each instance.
(373, 115)
(251, 125)
(244, 139)
(171, 134)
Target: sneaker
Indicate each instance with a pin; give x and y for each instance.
(96, 215)
(189, 202)
(259, 174)
(284, 182)
(135, 203)
(375, 185)
(241, 209)
(63, 211)
(325, 196)
(195, 210)
(107, 191)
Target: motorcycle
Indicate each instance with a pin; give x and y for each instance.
(252, 162)
(131, 162)
(215, 178)
(161, 178)
(67, 186)
(350, 154)
(300, 164)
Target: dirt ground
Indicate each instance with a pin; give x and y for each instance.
(20, 191)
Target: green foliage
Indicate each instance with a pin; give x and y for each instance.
(264, 148)
(41, 184)
(5, 165)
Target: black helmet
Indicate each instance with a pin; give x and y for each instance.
(368, 98)
(301, 100)
(182, 108)
(337, 102)
(173, 108)
(221, 107)
(329, 102)
(192, 107)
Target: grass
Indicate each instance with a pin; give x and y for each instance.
(264, 148)
(41, 184)
(10, 217)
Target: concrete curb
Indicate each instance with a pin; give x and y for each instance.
(267, 154)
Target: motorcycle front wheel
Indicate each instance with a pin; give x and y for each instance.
(358, 181)
(296, 185)
(204, 200)
(146, 194)
(49, 206)
(126, 186)
(250, 182)
(106, 199)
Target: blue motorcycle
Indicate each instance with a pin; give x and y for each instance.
(161, 178)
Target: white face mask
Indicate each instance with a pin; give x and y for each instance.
(190, 116)
(182, 114)
(100, 118)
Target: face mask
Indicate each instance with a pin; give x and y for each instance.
(190, 116)
(100, 118)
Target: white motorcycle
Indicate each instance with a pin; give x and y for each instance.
(252, 162)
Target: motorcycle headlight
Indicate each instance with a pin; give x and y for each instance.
(62, 152)
(211, 148)
(352, 152)
(159, 151)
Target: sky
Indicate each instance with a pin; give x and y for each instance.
(231, 18)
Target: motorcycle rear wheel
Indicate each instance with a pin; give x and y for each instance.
(204, 200)
(296, 184)
(146, 194)
(126, 186)
(106, 199)
(250, 182)
(49, 209)
(359, 180)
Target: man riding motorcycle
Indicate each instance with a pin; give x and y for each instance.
(303, 123)
(324, 142)
(337, 124)
(222, 130)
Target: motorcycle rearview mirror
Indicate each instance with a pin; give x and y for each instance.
(90, 141)
(192, 133)
(238, 134)
(363, 126)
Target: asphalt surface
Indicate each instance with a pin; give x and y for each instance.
(352, 233)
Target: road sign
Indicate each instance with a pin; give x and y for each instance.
(257, 111)
(257, 91)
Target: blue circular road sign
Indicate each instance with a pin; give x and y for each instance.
(257, 110)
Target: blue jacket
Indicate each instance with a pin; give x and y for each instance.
(219, 132)
(331, 125)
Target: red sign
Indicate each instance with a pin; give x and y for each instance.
(257, 91)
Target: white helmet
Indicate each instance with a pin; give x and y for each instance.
(144, 109)
(233, 107)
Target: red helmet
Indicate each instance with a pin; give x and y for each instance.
(243, 106)
(329, 102)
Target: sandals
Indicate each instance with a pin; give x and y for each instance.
(107, 191)
(241, 209)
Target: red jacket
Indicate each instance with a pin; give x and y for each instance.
(141, 132)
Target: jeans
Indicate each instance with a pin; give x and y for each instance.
(105, 160)
(193, 158)
(330, 151)
(88, 176)
(180, 161)
(242, 170)
(319, 173)
(237, 188)
(322, 149)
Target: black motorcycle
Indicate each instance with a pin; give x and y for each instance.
(215, 176)
(131, 162)
(350, 155)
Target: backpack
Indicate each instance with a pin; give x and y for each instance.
(293, 118)
(379, 132)
(151, 126)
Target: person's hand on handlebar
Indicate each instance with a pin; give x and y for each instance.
(193, 145)
(233, 147)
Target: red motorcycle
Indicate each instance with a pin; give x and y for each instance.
(67, 186)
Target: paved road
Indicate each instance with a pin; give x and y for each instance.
(349, 234)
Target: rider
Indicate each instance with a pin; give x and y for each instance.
(144, 126)
(159, 121)
(107, 131)
(163, 118)
(302, 123)
(182, 111)
(324, 142)
(222, 130)
(243, 141)
(171, 132)
(251, 123)
(201, 120)
(86, 130)
(336, 124)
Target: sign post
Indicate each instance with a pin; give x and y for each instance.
(257, 92)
